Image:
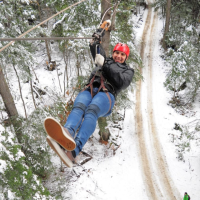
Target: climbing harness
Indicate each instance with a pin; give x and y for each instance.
(101, 87)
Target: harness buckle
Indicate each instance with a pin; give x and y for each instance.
(105, 89)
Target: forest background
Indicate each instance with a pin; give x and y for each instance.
(25, 158)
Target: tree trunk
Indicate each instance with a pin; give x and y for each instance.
(31, 85)
(48, 51)
(20, 90)
(114, 16)
(105, 4)
(103, 131)
(39, 10)
(167, 23)
(6, 96)
(10, 105)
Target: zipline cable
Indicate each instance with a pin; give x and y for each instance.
(45, 38)
(40, 24)
(114, 12)
(104, 15)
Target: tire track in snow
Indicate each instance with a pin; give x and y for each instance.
(156, 177)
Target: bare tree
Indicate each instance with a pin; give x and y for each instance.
(9, 104)
(20, 90)
(48, 50)
(6, 96)
(106, 14)
(167, 23)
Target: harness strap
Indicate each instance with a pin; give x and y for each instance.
(102, 86)
(105, 90)
(90, 85)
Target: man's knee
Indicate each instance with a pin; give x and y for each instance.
(79, 105)
(93, 109)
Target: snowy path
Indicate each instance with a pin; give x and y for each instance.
(158, 183)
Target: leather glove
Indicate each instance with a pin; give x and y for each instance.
(101, 31)
(98, 34)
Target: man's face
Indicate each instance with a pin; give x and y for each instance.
(119, 56)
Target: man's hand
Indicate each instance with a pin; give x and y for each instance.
(101, 31)
(98, 35)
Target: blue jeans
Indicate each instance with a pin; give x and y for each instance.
(84, 115)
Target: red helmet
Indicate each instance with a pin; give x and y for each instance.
(122, 47)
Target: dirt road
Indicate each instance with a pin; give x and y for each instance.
(156, 178)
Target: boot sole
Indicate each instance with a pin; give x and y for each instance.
(56, 131)
(54, 145)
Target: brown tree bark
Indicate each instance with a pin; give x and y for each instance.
(6, 96)
(105, 4)
(167, 23)
(10, 105)
(48, 50)
(113, 17)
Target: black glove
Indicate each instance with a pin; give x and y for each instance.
(98, 34)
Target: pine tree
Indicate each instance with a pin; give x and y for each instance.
(17, 179)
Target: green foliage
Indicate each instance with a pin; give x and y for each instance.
(58, 31)
(123, 100)
(13, 22)
(34, 137)
(17, 179)
(124, 23)
(21, 168)
(186, 11)
(76, 19)
(160, 3)
(35, 146)
(186, 138)
(184, 14)
(102, 123)
(81, 81)
(183, 78)
(135, 62)
(184, 67)
(182, 55)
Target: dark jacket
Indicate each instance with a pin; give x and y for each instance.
(118, 76)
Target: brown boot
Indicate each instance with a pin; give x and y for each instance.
(67, 159)
(59, 134)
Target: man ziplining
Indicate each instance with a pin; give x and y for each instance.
(97, 99)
